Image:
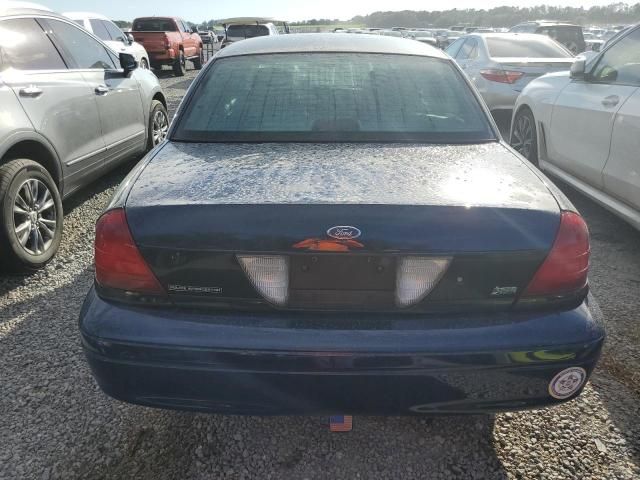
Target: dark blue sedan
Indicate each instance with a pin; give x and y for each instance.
(334, 225)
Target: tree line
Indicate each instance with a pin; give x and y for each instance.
(614, 14)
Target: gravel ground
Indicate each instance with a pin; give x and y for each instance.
(56, 423)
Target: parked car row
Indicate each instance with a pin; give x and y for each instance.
(70, 109)
(502, 64)
(169, 41)
(575, 118)
(582, 125)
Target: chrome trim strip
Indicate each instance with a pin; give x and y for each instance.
(130, 137)
(84, 157)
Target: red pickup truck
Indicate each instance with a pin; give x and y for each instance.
(169, 41)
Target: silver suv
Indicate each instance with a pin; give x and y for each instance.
(70, 109)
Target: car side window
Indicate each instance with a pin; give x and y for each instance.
(453, 49)
(620, 65)
(469, 50)
(180, 25)
(84, 50)
(25, 46)
(114, 32)
(99, 30)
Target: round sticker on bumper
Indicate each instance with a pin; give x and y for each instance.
(567, 382)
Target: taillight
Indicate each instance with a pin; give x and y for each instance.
(565, 269)
(269, 274)
(119, 264)
(416, 277)
(501, 76)
(167, 43)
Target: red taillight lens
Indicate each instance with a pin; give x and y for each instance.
(167, 43)
(501, 76)
(566, 267)
(119, 263)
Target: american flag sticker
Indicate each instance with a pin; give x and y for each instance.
(341, 423)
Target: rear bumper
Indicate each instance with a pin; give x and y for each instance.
(500, 97)
(163, 57)
(261, 365)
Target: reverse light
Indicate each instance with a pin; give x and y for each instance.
(269, 275)
(501, 76)
(119, 264)
(565, 269)
(416, 277)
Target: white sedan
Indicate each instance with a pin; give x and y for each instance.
(110, 33)
(583, 126)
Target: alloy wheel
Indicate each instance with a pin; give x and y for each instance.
(160, 127)
(523, 136)
(34, 217)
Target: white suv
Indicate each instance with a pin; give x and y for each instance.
(110, 33)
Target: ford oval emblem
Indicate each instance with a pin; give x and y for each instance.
(344, 232)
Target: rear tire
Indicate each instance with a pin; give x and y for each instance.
(158, 124)
(524, 137)
(31, 216)
(180, 65)
(199, 61)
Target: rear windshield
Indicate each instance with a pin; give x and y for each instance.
(333, 97)
(525, 47)
(154, 25)
(247, 31)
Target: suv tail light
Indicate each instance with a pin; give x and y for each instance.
(416, 277)
(565, 269)
(167, 43)
(501, 76)
(269, 275)
(119, 264)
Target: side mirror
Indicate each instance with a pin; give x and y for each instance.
(194, 29)
(130, 38)
(578, 69)
(128, 62)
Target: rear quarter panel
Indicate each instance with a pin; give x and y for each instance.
(14, 123)
(540, 96)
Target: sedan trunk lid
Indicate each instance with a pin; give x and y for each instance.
(196, 207)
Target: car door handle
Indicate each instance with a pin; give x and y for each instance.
(102, 90)
(611, 101)
(30, 92)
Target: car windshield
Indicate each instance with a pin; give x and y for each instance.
(247, 31)
(333, 97)
(154, 25)
(511, 46)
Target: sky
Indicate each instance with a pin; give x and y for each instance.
(198, 11)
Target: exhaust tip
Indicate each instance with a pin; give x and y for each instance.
(567, 383)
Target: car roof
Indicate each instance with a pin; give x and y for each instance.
(247, 20)
(534, 37)
(330, 43)
(22, 8)
(153, 17)
(549, 23)
(74, 15)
